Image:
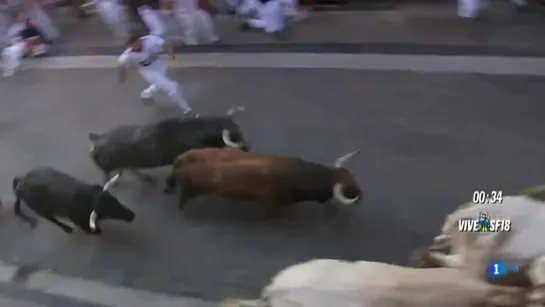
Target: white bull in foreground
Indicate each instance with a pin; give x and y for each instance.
(335, 283)
(523, 246)
(519, 247)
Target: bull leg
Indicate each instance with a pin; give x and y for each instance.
(25, 218)
(144, 177)
(447, 261)
(62, 226)
(186, 194)
(170, 184)
(421, 258)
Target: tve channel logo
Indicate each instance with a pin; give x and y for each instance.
(483, 224)
(499, 269)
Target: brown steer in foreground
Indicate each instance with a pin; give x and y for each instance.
(279, 181)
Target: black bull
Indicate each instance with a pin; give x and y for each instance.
(159, 144)
(54, 195)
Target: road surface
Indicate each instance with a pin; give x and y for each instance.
(428, 141)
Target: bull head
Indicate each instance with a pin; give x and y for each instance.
(94, 215)
(226, 134)
(338, 188)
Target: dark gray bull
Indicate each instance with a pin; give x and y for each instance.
(159, 144)
(55, 195)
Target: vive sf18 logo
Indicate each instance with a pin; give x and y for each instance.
(483, 224)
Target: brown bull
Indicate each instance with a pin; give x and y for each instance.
(279, 181)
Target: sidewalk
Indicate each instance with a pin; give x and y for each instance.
(26, 287)
(411, 29)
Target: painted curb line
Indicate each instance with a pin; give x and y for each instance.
(97, 292)
(495, 65)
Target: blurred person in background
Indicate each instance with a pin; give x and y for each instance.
(196, 23)
(145, 53)
(25, 39)
(149, 12)
(113, 15)
(271, 16)
(13, 53)
(35, 10)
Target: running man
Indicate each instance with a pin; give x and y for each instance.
(146, 52)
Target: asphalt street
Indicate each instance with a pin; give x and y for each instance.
(13, 295)
(428, 142)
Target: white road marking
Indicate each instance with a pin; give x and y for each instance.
(97, 292)
(420, 63)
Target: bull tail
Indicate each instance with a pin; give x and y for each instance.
(243, 303)
(235, 109)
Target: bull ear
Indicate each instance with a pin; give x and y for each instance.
(93, 137)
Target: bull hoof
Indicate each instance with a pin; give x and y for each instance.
(421, 258)
(68, 230)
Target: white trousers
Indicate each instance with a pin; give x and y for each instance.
(271, 17)
(4, 25)
(249, 8)
(158, 80)
(43, 22)
(196, 23)
(12, 56)
(113, 16)
(472, 8)
(153, 20)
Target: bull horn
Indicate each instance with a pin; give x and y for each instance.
(341, 160)
(93, 220)
(339, 195)
(226, 136)
(107, 186)
(111, 182)
(235, 109)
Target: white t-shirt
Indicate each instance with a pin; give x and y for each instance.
(150, 56)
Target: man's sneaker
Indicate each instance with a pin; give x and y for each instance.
(244, 27)
(187, 111)
(280, 35)
(8, 73)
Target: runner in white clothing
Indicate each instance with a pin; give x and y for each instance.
(146, 53)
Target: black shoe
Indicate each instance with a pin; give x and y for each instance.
(244, 27)
(279, 35)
